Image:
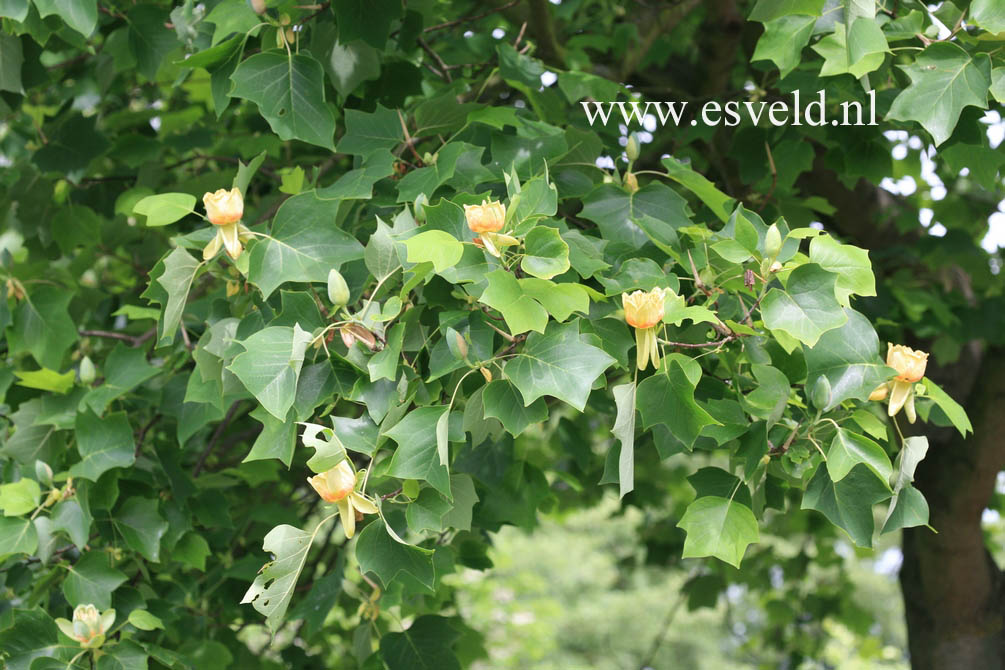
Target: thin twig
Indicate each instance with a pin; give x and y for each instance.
(774, 178)
(701, 345)
(468, 19)
(215, 438)
(445, 74)
(134, 340)
(143, 433)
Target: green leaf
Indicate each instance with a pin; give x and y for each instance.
(767, 10)
(150, 40)
(17, 536)
(42, 325)
(914, 510)
(849, 358)
(769, 399)
(81, 15)
(668, 399)
(11, 59)
(328, 449)
(502, 401)
(907, 510)
(33, 639)
(380, 554)
(559, 300)
(19, 497)
(289, 91)
(349, 65)
(989, 15)
(367, 133)
(179, 268)
(426, 644)
(272, 589)
(380, 255)
(944, 80)
(547, 254)
(304, 245)
(624, 431)
(848, 262)
(950, 407)
(848, 449)
(46, 380)
(359, 435)
(998, 84)
(558, 363)
(721, 204)
(14, 9)
(92, 580)
(416, 456)
(231, 16)
(655, 211)
(440, 248)
(369, 20)
(165, 208)
(718, 527)
(103, 444)
(847, 503)
(807, 308)
(125, 369)
(141, 526)
(126, 655)
(144, 620)
(270, 366)
(384, 364)
(521, 312)
(73, 517)
(840, 58)
(192, 550)
(783, 41)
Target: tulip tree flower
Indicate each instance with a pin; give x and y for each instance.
(643, 311)
(487, 219)
(88, 626)
(338, 486)
(224, 210)
(910, 366)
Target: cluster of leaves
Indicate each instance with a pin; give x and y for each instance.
(485, 390)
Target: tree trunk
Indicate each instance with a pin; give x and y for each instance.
(951, 585)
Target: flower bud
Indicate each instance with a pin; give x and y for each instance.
(772, 242)
(87, 372)
(821, 394)
(630, 182)
(775, 267)
(632, 148)
(419, 208)
(338, 290)
(462, 345)
(486, 373)
(258, 6)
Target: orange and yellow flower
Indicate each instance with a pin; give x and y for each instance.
(338, 485)
(644, 311)
(224, 210)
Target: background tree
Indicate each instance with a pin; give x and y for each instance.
(462, 369)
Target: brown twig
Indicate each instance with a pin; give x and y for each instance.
(321, 9)
(774, 179)
(701, 345)
(444, 72)
(468, 19)
(134, 340)
(215, 438)
(142, 433)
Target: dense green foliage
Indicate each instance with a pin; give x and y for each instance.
(166, 402)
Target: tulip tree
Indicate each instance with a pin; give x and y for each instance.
(412, 281)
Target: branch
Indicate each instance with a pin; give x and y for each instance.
(468, 19)
(133, 340)
(215, 438)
